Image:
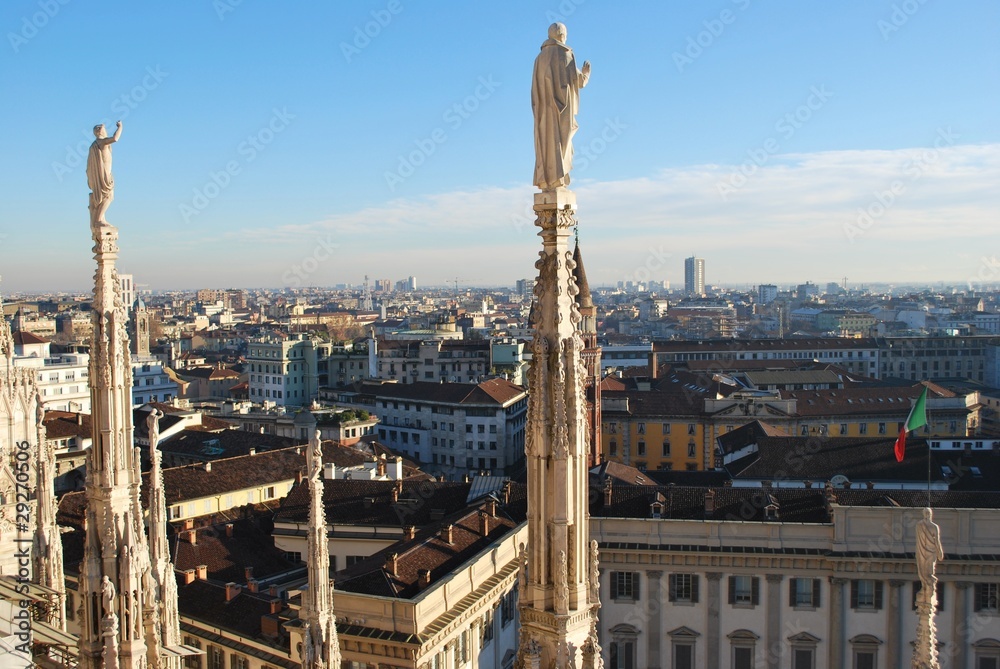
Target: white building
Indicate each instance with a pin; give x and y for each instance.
(283, 369)
(450, 428)
(727, 577)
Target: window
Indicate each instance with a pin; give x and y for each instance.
(743, 643)
(666, 449)
(865, 651)
(192, 661)
(622, 649)
(866, 594)
(613, 448)
(641, 448)
(216, 658)
(683, 588)
(918, 586)
(843, 429)
(293, 556)
(744, 590)
(690, 428)
(487, 633)
(987, 654)
(863, 428)
(625, 585)
(269, 492)
(804, 592)
(508, 608)
(640, 428)
(691, 448)
(986, 597)
(881, 428)
(666, 428)
(803, 647)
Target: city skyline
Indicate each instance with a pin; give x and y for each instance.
(262, 145)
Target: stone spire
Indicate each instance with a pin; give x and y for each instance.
(320, 647)
(166, 618)
(46, 550)
(118, 601)
(591, 356)
(560, 594)
(140, 332)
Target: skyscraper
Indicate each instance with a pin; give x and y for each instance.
(694, 276)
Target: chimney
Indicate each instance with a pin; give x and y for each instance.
(229, 529)
(248, 572)
(709, 502)
(253, 451)
(253, 585)
(201, 571)
(191, 536)
(808, 483)
(491, 508)
(423, 578)
(275, 605)
(188, 523)
(447, 533)
(484, 523)
(188, 576)
(381, 466)
(397, 490)
(298, 476)
(273, 590)
(207, 466)
(79, 419)
(409, 532)
(390, 563)
(232, 591)
(870, 485)
(506, 492)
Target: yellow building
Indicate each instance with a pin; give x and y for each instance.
(677, 429)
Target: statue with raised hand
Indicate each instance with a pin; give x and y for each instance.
(102, 184)
(555, 98)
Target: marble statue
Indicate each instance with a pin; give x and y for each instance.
(555, 98)
(102, 184)
(929, 550)
(153, 426)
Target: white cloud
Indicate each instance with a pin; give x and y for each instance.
(793, 219)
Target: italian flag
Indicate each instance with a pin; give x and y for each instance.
(916, 419)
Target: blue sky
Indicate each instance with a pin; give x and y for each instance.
(311, 143)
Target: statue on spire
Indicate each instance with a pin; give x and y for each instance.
(102, 184)
(555, 98)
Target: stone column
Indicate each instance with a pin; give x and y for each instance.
(714, 602)
(772, 627)
(655, 627)
(894, 613)
(960, 627)
(837, 640)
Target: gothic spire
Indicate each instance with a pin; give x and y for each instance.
(47, 545)
(320, 646)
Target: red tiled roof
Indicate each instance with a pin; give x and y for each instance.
(22, 338)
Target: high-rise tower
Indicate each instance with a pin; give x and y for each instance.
(694, 276)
